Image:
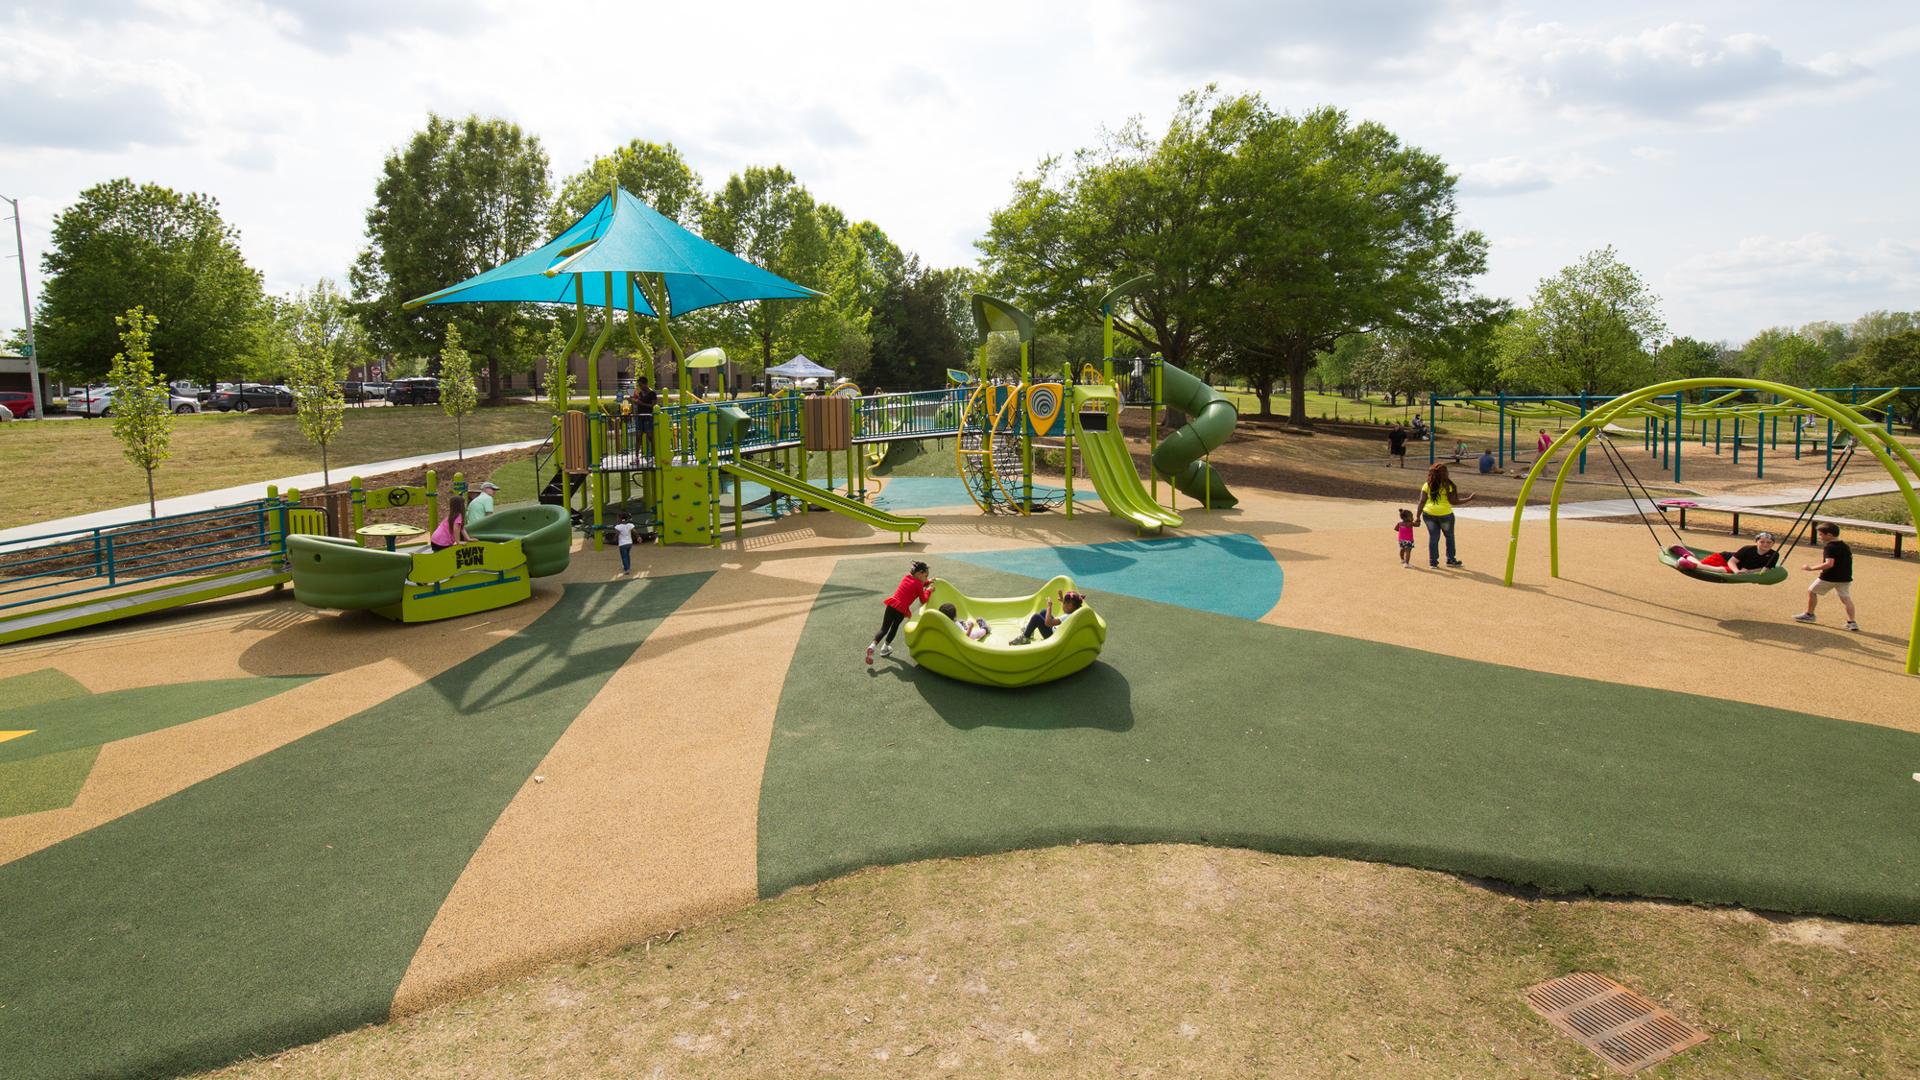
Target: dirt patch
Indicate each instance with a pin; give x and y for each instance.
(1157, 961)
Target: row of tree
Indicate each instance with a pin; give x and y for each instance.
(1280, 249)
(459, 198)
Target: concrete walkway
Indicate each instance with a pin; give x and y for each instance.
(1607, 508)
(207, 500)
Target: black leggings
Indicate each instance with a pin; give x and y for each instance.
(889, 624)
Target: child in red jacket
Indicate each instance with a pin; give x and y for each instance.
(916, 586)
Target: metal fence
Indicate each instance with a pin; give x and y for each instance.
(77, 562)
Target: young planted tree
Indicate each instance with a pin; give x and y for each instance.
(142, 411)
(317, 401)
(458, 395)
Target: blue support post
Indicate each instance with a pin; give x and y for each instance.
(1500, 441)
(1583, 449)
(1679, 404)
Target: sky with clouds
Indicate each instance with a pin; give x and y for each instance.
(1754, 161)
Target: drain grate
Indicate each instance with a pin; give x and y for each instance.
(1626, 1030)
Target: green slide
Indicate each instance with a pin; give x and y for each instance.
(1111, 466)
(821, 497)
(1211, 421)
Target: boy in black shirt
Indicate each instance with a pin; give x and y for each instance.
(1836, 574)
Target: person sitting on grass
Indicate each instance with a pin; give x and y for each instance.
(975, 629)
(1043, 622)
(1751, 559)
(1487, 464)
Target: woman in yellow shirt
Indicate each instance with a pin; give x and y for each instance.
(1438, 496)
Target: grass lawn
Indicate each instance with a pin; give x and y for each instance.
(60, 468)
(1890, 508)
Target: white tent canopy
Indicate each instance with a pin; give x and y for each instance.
(800, 368)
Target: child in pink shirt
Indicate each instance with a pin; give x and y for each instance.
(1404, 531)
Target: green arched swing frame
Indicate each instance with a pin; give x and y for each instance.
(1865, 433)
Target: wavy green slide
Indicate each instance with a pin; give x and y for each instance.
(1211, 419)
(1111, 466)
(821, 497)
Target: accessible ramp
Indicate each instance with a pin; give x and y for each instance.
(1180, 456)
(904, 525)
(1104, 449)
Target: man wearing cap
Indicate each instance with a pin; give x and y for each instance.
(481, 505)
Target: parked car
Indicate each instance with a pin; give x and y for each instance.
(421, 391)
(376, 391)
(353, 392)
(246, 396)
(98, 401)
(17, 404)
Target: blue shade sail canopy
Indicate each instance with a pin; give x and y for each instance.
(620, 236)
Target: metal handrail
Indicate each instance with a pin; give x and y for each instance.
(114, 552)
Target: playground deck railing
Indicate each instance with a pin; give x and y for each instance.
(772, 423)
(65, 565)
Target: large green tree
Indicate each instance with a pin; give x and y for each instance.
(461, 197)
(1267, 238)
(1588, 329)
(655, 173)
(918, 328)
(1690, 358)
(123, 245)
(1136, 204)
(1782, 354)
(766, 216)
(1350, 231)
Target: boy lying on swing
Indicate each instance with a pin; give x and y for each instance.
(1751, 559)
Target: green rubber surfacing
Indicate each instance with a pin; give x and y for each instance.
(1196, 727)
(283, 900)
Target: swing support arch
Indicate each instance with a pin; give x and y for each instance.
(1865, 433)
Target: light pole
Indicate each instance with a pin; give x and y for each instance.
(26, 307)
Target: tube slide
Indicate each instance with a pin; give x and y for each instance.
(1211, 420)
(1110, 465)
(821, 497)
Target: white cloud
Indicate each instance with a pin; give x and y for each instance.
(331, 26)
(58, 98)
(1514, 175)
(1290, 40)
(1676, 72)
(1775, 280)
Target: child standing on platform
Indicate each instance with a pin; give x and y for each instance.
(916, 587)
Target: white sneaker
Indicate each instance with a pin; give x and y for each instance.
(1805, 616)
(1854, 626)
(886, 650)
(869, 655)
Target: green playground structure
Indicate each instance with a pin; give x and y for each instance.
(941, 646)
(637, 269)
(509, 549)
